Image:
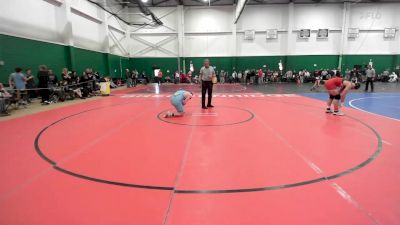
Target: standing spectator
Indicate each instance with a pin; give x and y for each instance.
(135, 76)
(301, 77)
(260, 76)
(289, 75)
(17, 81)
(159, 77)
(177, 77)
(222, 77)
(43, 78)
(324, 74)
(30, 84)
(370, 74)
(128, 77)
(240, 76)
(207, 73)
(347, 74)
(235, 76)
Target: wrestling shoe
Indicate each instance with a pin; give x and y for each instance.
(338, 113)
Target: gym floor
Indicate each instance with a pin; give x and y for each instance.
(264, 155)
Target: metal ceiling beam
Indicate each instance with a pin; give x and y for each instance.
(160, 2)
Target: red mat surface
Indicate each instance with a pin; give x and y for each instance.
(253, 159)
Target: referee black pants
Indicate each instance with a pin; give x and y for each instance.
(369, 81)
(206, 86)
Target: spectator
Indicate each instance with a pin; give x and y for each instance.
(385, 76)
(325, 74)
(222, 77)
(177, 78)
(289, 75)
(135, 76)
(189, 76)
(260, 76)
(159, 77)
(4, 96)
(347, 74)
(17, 81)
(53, 80)
(370, 74)
(240, 76)
(66, 76)
(30, 84)
(128, 76)
(393, 77)
(43, 78)
(354, 75)
(235, 76)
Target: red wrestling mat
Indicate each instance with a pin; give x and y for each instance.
(253, 159)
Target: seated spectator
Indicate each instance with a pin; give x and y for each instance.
(385, 76)
(393, 77)
(4, 98)
(168, 79)
(65, 75)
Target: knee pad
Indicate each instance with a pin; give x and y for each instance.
(337, 97)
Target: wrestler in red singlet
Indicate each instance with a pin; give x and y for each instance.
(334, 83)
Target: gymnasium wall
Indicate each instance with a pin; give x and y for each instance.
(60, 33)
(25, 53)
(209, 32)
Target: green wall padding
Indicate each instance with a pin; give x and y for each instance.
(90, 59)
(221, 63)
(116, 63)
(380, 62)
(24, 53)
(311, 62)
(257, 62)
(146, 64)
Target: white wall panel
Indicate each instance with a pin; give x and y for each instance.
(205, 19)
(315, 46)
(318, 16)
(208, 45)
(262, 17)
(137, 47)
(374, 17)
(36, 19)
(260, 45)
(86, 33)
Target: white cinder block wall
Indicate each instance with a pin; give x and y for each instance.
(204, 31)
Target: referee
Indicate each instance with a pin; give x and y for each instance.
(370, 74)
(206, 74)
